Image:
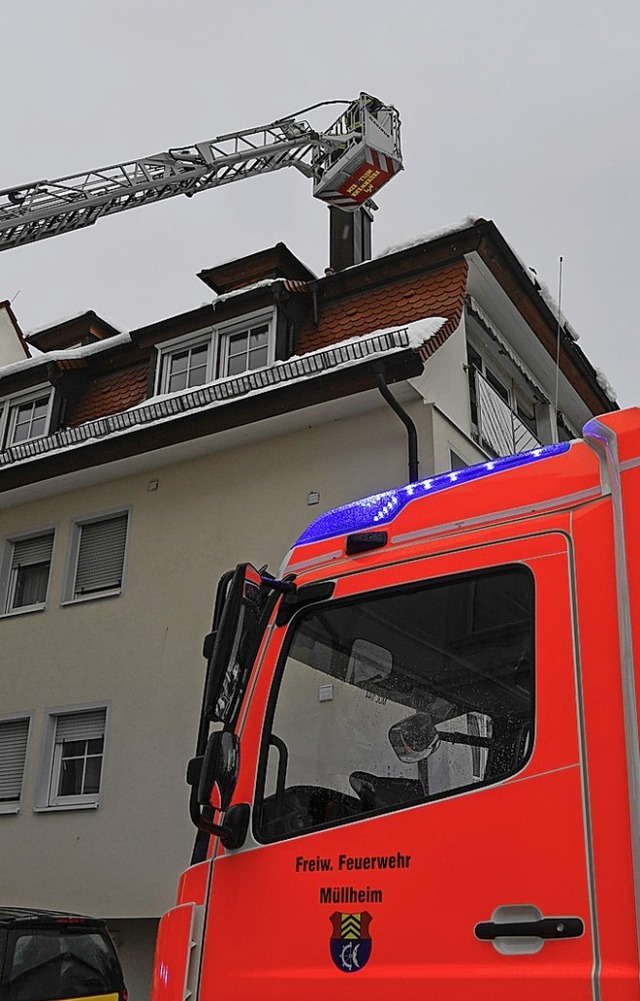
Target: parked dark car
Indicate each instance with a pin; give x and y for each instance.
(51, 956)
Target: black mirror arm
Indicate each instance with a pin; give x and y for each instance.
(233, 833)
(198, 820)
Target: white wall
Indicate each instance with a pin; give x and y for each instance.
(11, 347)
(444, 380)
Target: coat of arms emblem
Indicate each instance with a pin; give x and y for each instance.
(350, 940)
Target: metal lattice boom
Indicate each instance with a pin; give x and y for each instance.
(44, 208)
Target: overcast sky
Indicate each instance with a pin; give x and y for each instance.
(523, 113)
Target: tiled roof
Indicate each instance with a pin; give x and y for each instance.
(437, 293)
(220, 405)
(99, 383)
(111, 393)
(275, 262)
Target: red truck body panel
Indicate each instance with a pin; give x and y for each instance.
(393, 901)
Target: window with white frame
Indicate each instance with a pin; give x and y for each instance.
(244, 349)
(14, 737)
(98, 550)
(24, 579)
(230, 349)
(188, 367)
(76, 757)
(25, 417)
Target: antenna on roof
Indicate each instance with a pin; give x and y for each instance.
(557, 390)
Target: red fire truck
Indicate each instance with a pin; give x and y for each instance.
(417, 772)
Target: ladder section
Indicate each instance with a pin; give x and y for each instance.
(42, 209)
(348, 162)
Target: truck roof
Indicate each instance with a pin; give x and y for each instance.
(552, 477)
(380, 509)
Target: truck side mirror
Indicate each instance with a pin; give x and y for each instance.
(219, 767)
(414, 738)
(230, 649)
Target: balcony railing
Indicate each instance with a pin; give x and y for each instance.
(499, 428)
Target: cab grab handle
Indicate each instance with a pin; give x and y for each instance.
(546, 928)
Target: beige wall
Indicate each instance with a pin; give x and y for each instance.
(135, 942)
(141, 651)
(447, 436)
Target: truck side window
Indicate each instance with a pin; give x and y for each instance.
(398, 697)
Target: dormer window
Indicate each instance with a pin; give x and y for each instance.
(242, 345)
(25, 417)
(245, 350)
(188, 367)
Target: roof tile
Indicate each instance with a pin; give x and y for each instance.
(439, 293)
(110, 393)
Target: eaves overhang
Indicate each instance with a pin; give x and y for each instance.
(341, 370)
(86, 327)
(272, 263)
(482, 237)
(542, 316)
(476, 311)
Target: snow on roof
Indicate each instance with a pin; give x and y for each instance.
(466, 223)
(418, 333)
(263, 283)
(606, 386)
(564, 324)
(64, 353)
(428, 237)
(421, 331)
(234, 260)
(543, 290)
(154, 411)
(69, 319)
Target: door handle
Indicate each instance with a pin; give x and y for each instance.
(544, 928)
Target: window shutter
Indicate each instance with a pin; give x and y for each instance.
(81, 726)
(13, 752)
(27, 552)
(101, 555)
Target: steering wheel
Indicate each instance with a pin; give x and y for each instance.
(376, 792)
(301, 808)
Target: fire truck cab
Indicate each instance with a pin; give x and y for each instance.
(417, 771)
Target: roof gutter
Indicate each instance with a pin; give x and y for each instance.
(330, 373)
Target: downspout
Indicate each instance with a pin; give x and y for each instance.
(412, 434)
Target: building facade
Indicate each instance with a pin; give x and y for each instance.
(136, 467)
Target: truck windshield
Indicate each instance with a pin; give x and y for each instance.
(398, 697)
(46, 964)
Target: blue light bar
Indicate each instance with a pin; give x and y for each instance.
(380, 509)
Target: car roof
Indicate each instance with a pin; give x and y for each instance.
(31, 915)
